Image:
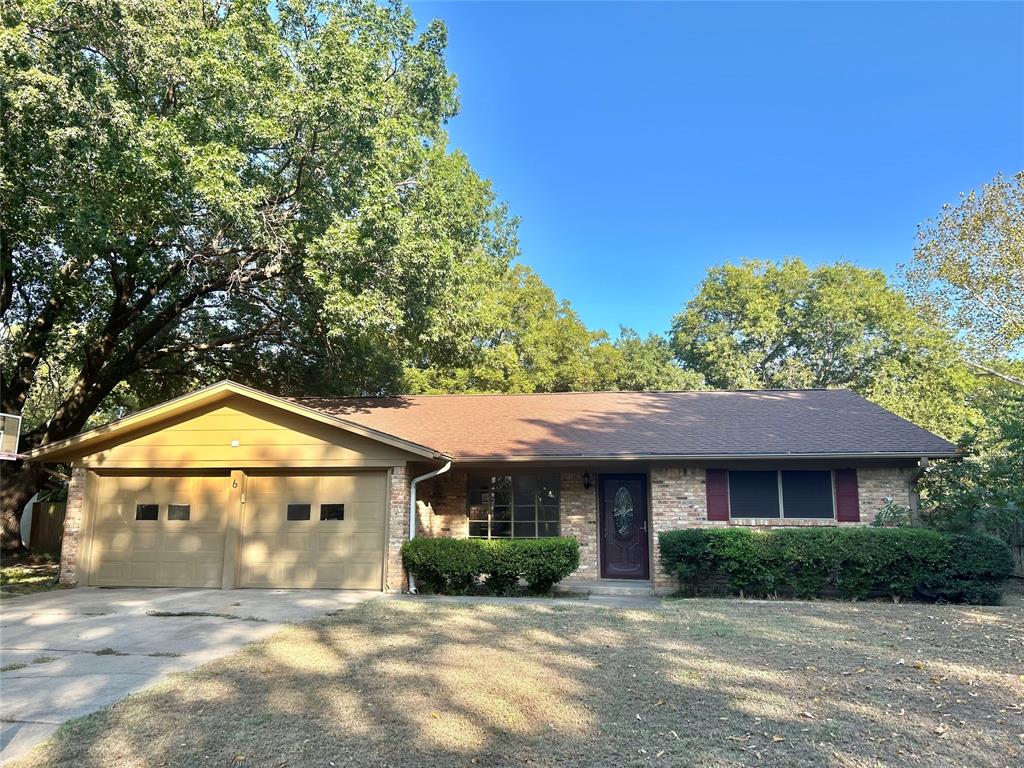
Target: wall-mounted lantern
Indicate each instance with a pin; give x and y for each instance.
(586, 480)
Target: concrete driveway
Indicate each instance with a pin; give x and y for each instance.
(70, 652)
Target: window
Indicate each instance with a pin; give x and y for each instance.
(147, 511)
(332, 511)
(298, 512)
(178, 511)
(807, 494)
(753, 494)
(791, 494)
(514, 506)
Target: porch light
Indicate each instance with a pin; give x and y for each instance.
(586, 480)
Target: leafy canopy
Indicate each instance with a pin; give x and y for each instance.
(760, 324)
(968, 269)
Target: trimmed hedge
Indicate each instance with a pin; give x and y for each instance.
(854, 563)
(456, 566)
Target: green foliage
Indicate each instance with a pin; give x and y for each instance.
(855, 562)
(455, 566)
(527, 340)
(968, 269)
(765, 325)
(985, 490)
(976, 568)
(892, 515)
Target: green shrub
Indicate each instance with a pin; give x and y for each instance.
(450, 566)
(855, 562)
(975, 572)
(545, 562)
(455, 566)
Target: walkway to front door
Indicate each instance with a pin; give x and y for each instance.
(623, 527)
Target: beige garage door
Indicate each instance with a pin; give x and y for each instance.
(158, 531)
(314, 531)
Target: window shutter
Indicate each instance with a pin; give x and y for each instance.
(717, 483)
(847, 498)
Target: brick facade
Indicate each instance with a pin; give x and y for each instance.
(71, 547)
(398, 527)
(677, 500)
(578, 517)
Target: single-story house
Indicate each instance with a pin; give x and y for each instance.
(232, 487)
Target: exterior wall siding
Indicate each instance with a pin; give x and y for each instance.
(677, 500)
(74, 518)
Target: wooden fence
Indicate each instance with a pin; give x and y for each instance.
(47, 527)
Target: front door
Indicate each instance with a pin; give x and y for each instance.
(624, 548)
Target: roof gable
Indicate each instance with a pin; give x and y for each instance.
(165, 413)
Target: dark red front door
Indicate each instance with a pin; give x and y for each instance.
(624, 551)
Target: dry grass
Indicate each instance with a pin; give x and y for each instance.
(28, 578)
(697, 683)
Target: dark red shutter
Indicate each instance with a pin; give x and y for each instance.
(717, 482)
(847, 499)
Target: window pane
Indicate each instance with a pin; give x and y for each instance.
(548, 529)
(524, 487)
(525, 514)
(500, 530)
(754, 494)
(807, 494)
(332, 511)
(147, 511)
(501, 513)
(478, 529)
(548, 486)
(478, 513)
(549, 514)
(526, 530)
(298, 511)
(178, 512)
(501, 490)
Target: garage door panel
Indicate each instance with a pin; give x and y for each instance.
(161, 552)
(346, 553)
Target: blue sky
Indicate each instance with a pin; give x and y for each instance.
(642, 143)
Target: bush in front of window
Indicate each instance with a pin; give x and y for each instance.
(458, 566)
(854, 563)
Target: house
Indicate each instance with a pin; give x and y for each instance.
(232, 487)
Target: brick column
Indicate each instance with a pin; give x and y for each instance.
(579, 518)
(678, 500)
(71, 548)
(398, 531)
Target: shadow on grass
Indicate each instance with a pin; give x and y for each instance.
(701, 683)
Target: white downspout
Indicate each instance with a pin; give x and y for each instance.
(412, 510)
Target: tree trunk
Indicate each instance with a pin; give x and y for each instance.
(19, 483)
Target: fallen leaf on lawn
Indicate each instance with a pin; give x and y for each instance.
(808, 715)
(777, 739)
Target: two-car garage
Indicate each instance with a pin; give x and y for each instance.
(234, 488)
(297, 530)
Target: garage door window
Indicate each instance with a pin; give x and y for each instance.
(298, 512)
(332, 511)
(147, 511)
(179, 511)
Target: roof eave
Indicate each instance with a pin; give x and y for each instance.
(546, 457)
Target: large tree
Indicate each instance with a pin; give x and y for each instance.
(968, 269)
(525, 339)
(195, 188)
(761, 324)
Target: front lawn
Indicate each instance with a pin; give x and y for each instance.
(695, 683)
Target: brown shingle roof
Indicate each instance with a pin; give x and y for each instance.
(598, 424)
